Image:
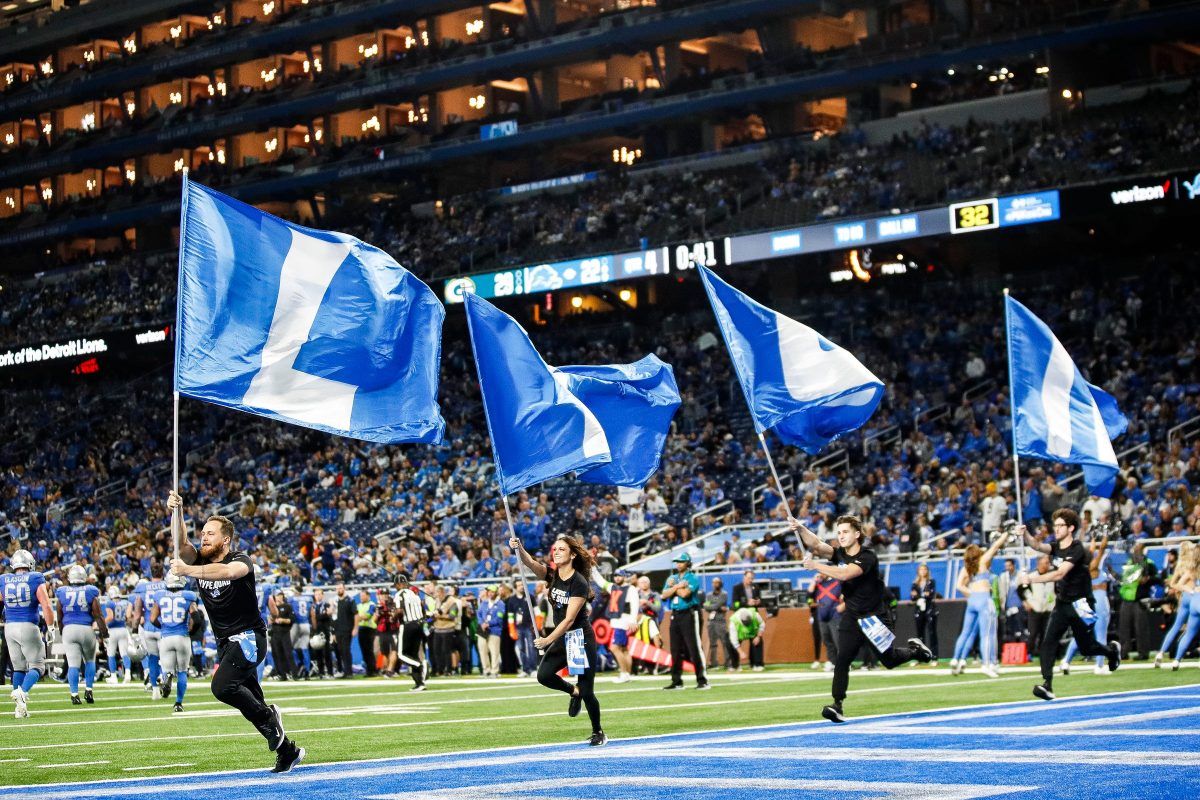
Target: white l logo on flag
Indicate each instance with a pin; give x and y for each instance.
(307, 272)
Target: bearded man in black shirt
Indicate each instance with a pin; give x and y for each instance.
(1074, 606)
(226, 581)
(867, 618)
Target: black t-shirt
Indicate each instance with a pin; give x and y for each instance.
(1078, 582)
(560, 595)
(232, 605)
(863, 595)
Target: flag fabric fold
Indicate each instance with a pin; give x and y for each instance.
(1057, 414)
(798, 383)
(311, 327)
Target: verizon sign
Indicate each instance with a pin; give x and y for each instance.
(1141, 194)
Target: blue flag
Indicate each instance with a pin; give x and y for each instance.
(797, 382)
(1057, 415)
(310, 327)
(634, 403)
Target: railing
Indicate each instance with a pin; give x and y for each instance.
(932, 414)
(925, 546)
(110, 489)
(636, 545)
(1121, 456)
(978, 390)
(456, 508)
(697, 543)
(706, 512)
(1182, 428)
(885, 436)
(838, 459)
(757, 492)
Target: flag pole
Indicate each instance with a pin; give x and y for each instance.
(177, 514)
(779, 485)
(520, 565)
(1012, 423)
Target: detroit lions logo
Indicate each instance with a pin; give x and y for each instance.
(1193, 187)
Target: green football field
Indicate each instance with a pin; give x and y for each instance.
(125, 734)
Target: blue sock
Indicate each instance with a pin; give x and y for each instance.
(73, 679)
(307, 660)
(125, 660)
(112, 665)
(31, 679)
(18, 679)
(180, 685)
(89, 674)
(155, 673)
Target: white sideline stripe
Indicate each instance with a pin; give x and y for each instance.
(1171, 713)
(1045, 732)
(158, 766)
(969, 756)
(317, 770)
(73, 764)
(1010, 711)
(457, 721)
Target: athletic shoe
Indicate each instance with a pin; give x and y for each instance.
(757, 669)
(154, 693)
(990, 671)
(111, 679)
(277, 734)
(816, 665)
(574, 705)
(1043, 692)
(13, 694)
(87, 697)
(1065, 668)
(178, 707)
(127, 677)
(289, 755)
(670, 687)
(924, 654)
(1114, 656)
(21, 699)
(75, 701)
(1158, 659)
(828, 666)
(1175, 665)
(624, 677)
(599, 739)
(1102, 669)
(833, 713)
(165, 689)
(420, 687)
(705, 685)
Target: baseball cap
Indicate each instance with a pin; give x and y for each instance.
(684, 557)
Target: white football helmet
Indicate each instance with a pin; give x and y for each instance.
(76, 575)
(317, 641)
(22, 559)
(114, 592)
(137, 650)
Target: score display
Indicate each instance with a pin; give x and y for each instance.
(975, 215)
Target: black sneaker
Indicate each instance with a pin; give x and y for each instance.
(924, 654)
(1043, 692)
(670, 687)
(75, 701)
(1114, 656)
(703, 686)
(599, 739)
(165, 689)
(87, 697)
(289, 755)
(277, 735)
(573, 708)
(178, 707)
(833, 713)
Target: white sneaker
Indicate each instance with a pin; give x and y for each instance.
(111, 679)
(624, 677)
(126, 677)
(154, 693)
(21, 699)
(1158, 659)
(758, 669)
(1102, 669)
(1065, 668)
(829, 666)
(816, 665)
(1175, 665)
(990, 671)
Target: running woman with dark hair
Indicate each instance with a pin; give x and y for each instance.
(571, 642)
(226, 580)
(1074, 606)
(867, 617)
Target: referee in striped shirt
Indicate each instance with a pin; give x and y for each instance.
(411, 610)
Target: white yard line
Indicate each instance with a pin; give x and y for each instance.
(158, 766)
(1117, 721)
(73, 764)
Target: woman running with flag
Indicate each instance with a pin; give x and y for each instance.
(571, 643)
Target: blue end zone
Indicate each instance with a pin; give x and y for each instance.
(1137, 744)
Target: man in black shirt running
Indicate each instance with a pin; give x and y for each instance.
(867, 618)
(226, 580)
(1073, 599)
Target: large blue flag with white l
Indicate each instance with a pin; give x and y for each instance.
(797, 382)
(608, 423)
(310, 327)
(1057, 415)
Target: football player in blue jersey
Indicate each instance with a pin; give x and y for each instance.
(116, 617)
(143, 593)
(23, 592)
(171, 610)
(78, 609)
(303, 606)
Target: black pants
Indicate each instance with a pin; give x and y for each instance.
(1133, 624)
(719, 641)
(850, 639)
(412, 650)
(366, 643)
(828, 629)
(755, 651)
(685, 645)
(323, 658)
(1037, 629)
(281, 651)
(1062, 618)
(235, 683)
(555, 659)
(444, 643)
(926, 623)
(345, 662)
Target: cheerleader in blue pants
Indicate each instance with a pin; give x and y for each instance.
(1184, 595)
(979, 621)
(1189, 583)
(1103, 610)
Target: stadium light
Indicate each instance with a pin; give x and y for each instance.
(9, 138)
(474, 27)
(88, 122)
(1067, 94)
(625, 295)
(576, 301)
